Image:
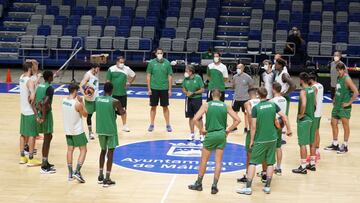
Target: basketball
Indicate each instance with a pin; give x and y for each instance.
(89, 91)
(279, 123)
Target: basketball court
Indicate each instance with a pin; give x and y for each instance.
(153, 167)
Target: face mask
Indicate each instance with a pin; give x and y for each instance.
(186, 75)
(216, 59)
(159, 56)
(238, 71)
(266, 67)
(121, 65)
(336, 58)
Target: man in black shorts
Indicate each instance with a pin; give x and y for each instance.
(121, 76)
(159, 82)
(242, 82)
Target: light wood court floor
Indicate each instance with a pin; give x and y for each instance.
(337, 178)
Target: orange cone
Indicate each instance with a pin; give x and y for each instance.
(8, 76)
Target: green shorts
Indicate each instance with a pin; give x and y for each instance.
(47, 126)
(279, 139)
(76, 140)
(263, 152)
(339, 113)
(108, 141)
(28, 125)
(247, 141)
(305, 137)
(215, 140)
(90, 106)
(315, 126)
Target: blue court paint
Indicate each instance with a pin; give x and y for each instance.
(141, 92)
(175, 157)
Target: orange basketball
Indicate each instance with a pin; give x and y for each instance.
(89, 91)
(279, 123)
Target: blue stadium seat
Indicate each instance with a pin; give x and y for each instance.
(269, 15)
(139, 21)
(61, 20)
(355, 17)
(105, 3)
(282, 25)
(151, 21)
(118, 3)
(342, 6)
(174, 3)
(254, 35)
(315, 16)
(90, 11)
(70, 30)
(77, 10)
(212, 13)
(98, 20)
(145, 44)
(197, 22)
(69, 2)
(113, 21)
(285, 5)
(122, 31)
(205, 45)
(125, 21)
(257, 4)
(154, 12)
(341, 37)
(53, 10)
(44, 30)
(173, 12)
(341, 27)
(168, 33)
(214, 4)
(328, 7)
(127, 11)
(314, 37)
(74, 20)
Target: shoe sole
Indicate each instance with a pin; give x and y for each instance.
(47, 172)
(300, 173)
(197, 189)
(22, 162)
(100, 182)
(266, 192)
(214, 192)
(278, 174)
(78, 179)
(127, 131)
(244, 193)
(106, 185)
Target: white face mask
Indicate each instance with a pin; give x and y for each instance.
(121, 65)
(336, 58)
(159, 56)
(265, 67)
(186, 75)
(216, 59)
(238, 71)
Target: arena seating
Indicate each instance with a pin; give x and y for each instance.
(183, 28)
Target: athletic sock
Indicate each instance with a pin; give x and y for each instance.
(101, 170)
(312, 160)
(303, 163)
(90, 129)
(317, 151)
(31, 156)
(248, 183)
(199, 180)
(22, 153)
(78, 167)
(335, 142)
(346, 143)
(44, 161)
(107, 177)
(70, 170)
(215, 182)
(268, 181)
(278, 166)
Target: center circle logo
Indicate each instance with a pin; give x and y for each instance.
(176, 157)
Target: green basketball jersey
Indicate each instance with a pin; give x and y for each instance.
(193, 84)
(343, 94)
(310, 103)
(160, 72)
(105, 116)
(265, 113)
(41, 92)
(216, 116)
(217, 79)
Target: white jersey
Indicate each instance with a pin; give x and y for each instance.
(36, 79)
(94, 83)
(280, 101)
(73, 124)
(319, 99)
(268, 79)
(221, 67)
(25, 106)
(254, 102)
(284, 85)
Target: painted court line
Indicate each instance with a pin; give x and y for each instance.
(168, 189)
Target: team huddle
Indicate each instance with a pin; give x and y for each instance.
(265, 109)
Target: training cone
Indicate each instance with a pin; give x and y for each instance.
(8, 76)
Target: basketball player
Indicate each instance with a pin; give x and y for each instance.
(28, 129)
(217, 74)
(242, 82)
(121, 76)
(73, 108)
(193, 87)
(106, 108)
(249, 105)
(267, 77)
(286, 82)
(159, 83)
(215, 136)
(280, 101)
(346, 94)
(90, 79)
(304, 124)
(319, 91)
(263, 139)
(44, 95)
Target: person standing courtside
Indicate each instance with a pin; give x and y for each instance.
(217, 75)
(106, 109)
(333, 72)
(28, 125)
(159, 84)
(44, 95)
(193, 87)
(267, 76)
(73, 109)
(263, 140)
(242, 82)
(215, 136)
(305, 120)
(90, 79)
(346, 94)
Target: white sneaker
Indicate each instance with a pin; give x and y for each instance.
(202, 137)
(191, 137)
(91, 136)
(267, 190)
(126, 128)
(244, 191)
